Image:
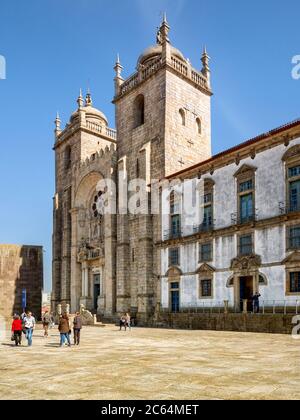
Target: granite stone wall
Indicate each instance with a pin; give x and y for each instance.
(21, 267)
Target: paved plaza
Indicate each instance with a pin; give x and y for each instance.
(153, 364)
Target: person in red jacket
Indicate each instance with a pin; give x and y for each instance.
(16, 329)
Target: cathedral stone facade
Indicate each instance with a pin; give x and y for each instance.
(112, 260)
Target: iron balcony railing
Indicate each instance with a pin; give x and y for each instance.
(240, 220)
(287, 209)
(173, 234)
(271, 307)
(178, 234)
(203, 227)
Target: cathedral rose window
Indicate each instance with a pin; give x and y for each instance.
(98, 204)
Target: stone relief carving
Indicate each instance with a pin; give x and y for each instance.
(246, 263)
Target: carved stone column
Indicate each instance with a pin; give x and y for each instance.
(75, 266)
(82, 282)
(86, 282)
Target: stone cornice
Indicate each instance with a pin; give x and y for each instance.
(282, 135)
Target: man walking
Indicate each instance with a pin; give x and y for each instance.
(77, 326)
(255, 301)
(123, 322)
(29, 325)
(46, 323)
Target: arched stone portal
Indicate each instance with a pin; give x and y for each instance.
(88, 246)
(245, 279)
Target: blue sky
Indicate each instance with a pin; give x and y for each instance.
(54, 47)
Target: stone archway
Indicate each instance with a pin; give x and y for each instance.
(86, 253)
(246, 269)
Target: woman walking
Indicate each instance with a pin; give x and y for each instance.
(64, 329)
(128, 321)
(16, 329)
(29, 325)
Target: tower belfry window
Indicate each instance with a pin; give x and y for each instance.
(199, 126)
(67, 157)
(182, 115)
(139, 111)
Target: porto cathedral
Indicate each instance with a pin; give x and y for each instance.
(242, 238)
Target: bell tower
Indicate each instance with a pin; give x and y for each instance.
(163, 123)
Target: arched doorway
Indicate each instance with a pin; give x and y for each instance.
(245, 280)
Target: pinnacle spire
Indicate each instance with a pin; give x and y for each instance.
(118, 66)
(57, 122)
(205, 65)
(80, 99)
(205, 58)
(163, 31)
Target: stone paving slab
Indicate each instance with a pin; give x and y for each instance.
(152, 364)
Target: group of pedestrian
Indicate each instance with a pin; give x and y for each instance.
(125, 321)
(23, 324)
(65, 329)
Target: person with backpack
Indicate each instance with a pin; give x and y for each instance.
(16, 329)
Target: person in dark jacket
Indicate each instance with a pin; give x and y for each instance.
(123, 322)
(64, 329)
(77, 327)
(255, 302)
(16, 329)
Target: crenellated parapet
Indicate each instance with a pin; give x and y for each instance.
(103, 160)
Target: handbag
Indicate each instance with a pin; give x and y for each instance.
(12, 337)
